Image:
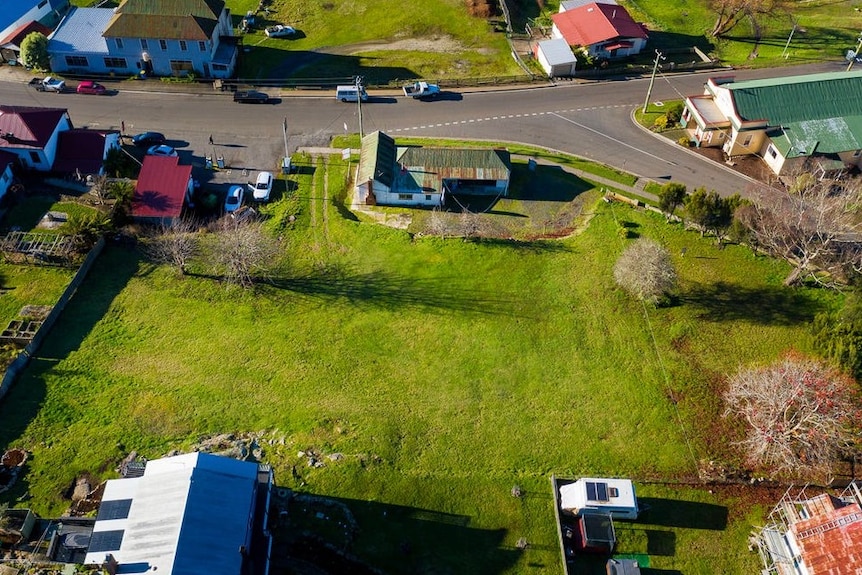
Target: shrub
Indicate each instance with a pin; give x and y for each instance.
(645, 270)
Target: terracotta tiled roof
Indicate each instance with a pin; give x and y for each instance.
(830, 541)
(27, 127)
(161, 188)
(594, 23)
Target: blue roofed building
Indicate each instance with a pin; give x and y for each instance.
(810, 122)
(17, 13)
(186, 515)
(154, 37)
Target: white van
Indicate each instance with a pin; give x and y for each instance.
(350, 93)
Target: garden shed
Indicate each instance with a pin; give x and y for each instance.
(555, 57)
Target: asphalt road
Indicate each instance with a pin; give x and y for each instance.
(592, 120)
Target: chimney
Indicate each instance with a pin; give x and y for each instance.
(110, 565)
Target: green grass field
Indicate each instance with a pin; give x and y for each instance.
(444, 371)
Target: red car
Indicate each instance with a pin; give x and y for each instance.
(90, 87)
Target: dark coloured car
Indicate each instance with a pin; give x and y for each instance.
(148, 139)
(250, 97)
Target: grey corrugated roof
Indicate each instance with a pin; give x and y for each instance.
(572, 4)
(462, 163)
(189, 515)
(81, 31)
(557, 51)
(201, 8)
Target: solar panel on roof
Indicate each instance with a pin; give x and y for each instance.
(602, 491)
(597, 491)
(105, 541)
(591, 491)
(117, 509)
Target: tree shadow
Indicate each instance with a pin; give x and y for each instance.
(382, 290)
(340, 535)
(681, 514)
(545, 183)
(724, 301)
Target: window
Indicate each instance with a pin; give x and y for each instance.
(181, 67)
(202, 46)
(119, 42)
(42, 4)
(115, 62)
(428, 197)
(163, 45)
(183, 45)
(144, 44)
(772, 152)
(405, 196)
(220, 67)
(34, 157)
(857, 153)
(747, 141)
(77, 61)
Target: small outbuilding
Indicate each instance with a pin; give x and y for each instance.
(162, 190)
(615, 497)
(556, 58)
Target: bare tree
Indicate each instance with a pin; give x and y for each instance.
(101, 188)
(799, 414)
(439, 223)
(175, 244)
(471, 224)
(243, 250)
(729, 13)
(646, 271)
(816, 227)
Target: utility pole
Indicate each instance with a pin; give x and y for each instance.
(658, 57)
(285, 162)
(789, 38)
(359, 103)
(856, 53)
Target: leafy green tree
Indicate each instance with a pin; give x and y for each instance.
(34, 51)
(671, 196)
(711, 212)
(674, 113)
(838, 335)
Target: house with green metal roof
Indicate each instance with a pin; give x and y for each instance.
(426, 176)
(810, 122)
(153, 37)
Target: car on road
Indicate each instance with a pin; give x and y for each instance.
(233, 200)
(147, 139)
(161, 150)
(49, 84)
(421, 90)
(90, 87)
(280, 31)
(262, 187)
(250, 97)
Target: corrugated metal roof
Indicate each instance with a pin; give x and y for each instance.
(186, 27)
(190, 514)
(457, 163)
(557, 51)
(81, 31)
(160, 191)
(200, 8)
(572, 4)
(80, 149)
(593, 23)
(798, 98)
(826, 136)
(830, 539)
(28, 127)
(377, 159)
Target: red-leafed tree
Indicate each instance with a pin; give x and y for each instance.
(800, 415)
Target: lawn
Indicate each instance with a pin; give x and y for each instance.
(442, 371)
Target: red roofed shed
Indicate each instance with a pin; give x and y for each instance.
(606, 30)
(162, 189)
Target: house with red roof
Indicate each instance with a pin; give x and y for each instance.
(162, 190)
(33, 134)
(81, 151)
(814, 534)
(10, 45)
(17, 13)
(604, 30)
(7, 163)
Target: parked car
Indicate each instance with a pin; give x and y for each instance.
(421, 90)
(49, 84)
(280, 31)
(90, 87)
(262, 187)
(250, 97)
(161, 150)
(147, 139)
(233, 200)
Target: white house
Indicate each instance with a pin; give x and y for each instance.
(32, 134)
(615, 497)
(808, 122)
(15, 14)
(159, 37)
(604, 30)
(186, 515)
(556, 58)
(419, 176)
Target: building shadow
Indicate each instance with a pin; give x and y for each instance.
(681, 514)
(545, 183)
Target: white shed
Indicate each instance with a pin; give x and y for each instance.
(556, 57)
(615, 497)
